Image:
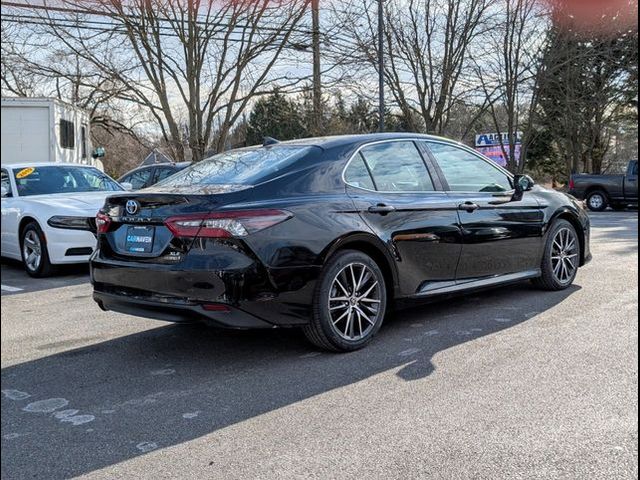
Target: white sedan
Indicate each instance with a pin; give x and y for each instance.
(48, 213)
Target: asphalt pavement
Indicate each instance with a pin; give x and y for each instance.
(511, 383)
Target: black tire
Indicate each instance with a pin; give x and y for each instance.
(548, 279)
(322, 330)
(597, 201)
(44, 267)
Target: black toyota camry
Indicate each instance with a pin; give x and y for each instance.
(328, 234)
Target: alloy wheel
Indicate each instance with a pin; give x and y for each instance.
(354, 301)
(564, 256)
(32, 250)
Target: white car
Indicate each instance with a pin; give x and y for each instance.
(48, 213)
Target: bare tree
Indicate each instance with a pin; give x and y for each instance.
(509, 72)
(194, 65)
(427, 46)
(15, 77)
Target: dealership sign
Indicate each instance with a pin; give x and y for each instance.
(489, 145)
(493, 139)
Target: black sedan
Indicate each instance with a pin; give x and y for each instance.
(327, 234)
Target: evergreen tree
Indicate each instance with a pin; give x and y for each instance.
(275, 116)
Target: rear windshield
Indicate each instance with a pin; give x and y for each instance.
(62, 179)
(238, 167)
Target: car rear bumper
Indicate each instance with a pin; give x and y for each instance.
(248, 295)
(178, 312)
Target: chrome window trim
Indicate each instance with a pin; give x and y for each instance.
(378, 142)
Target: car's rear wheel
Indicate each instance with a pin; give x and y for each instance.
(597, 201)
(561, 258)
(35, 256)
(349, 303)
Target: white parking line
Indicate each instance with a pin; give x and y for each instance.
(7, 288)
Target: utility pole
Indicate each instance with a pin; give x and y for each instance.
(317, 80)
(381, 64)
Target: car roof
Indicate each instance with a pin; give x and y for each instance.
(153, 165)
(345, 140)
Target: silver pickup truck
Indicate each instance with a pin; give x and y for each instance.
(601, 191)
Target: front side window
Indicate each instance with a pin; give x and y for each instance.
(397, 167)
(5, 181)
(67, 134)
(248, 166)
(467, 172)
(62, 179)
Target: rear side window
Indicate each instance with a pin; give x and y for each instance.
(397, 167)
(248, 166)
(634, 171)
(138, 179)
(162, 173)
(466, 172)
(357, 174)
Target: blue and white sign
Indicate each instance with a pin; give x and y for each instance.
(493, 139)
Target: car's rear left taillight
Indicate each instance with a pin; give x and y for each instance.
(572, 184)
(103, 222)
(225, 224)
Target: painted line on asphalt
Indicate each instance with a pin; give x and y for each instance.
(8, 288)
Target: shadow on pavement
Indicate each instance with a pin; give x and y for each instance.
(13, 274)
(138, 387)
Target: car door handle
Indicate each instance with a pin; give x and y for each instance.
(469, 207)
(382, 209)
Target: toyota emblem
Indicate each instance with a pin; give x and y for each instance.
(132, 207)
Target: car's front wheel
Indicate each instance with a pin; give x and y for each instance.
(34, 251)
(349, 303)
(561, 258)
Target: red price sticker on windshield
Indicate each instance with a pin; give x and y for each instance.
(25, 172)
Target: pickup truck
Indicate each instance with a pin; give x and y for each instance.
(601, 191)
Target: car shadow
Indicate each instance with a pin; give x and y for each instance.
(108, 402)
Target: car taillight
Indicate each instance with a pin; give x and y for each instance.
(103, 222)
(572, 184)
(225, 224)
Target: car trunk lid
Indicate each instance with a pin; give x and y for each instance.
(136, 227)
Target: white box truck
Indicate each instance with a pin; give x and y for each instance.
(45, 130)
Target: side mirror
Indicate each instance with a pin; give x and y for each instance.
(4, 192)
(522, 183)
(98, 152)
(127, 186)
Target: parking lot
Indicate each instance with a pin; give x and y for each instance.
(512, 383)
